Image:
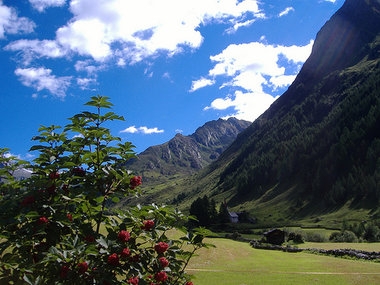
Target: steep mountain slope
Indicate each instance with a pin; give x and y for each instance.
(187, 154)
(317, 148)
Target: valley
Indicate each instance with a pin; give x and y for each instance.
(313, 158)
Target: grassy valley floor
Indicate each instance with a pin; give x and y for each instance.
(237, 263)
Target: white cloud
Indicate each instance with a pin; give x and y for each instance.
(166, 75)
(130, 130)
(286, 11)
(78, 136)
(146, 130)
(86, 83)
(42, 79)
(28, 156)
(297, 54)
(282, 80)
(88, 66)
(252, 68)
(200, 83)
(332, 1)
(246, 106)
(32, 49)
(130, 31)
(10, 23)
(220, 104)
(41, 5)
(249, 64)
(143, 130)
(86, 37)
(118, 32)
(239, 25)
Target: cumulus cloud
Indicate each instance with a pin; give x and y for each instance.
(282, 81)
(43, 79)
(245, 105)
(200, 83)
(33, 49)
(11, 23)
(130, 31)
(252, 68)
(142, 130)
(248, 65)
(286, 11)
(86, 83)
(41, 5)
(88, 66)
(123, 32)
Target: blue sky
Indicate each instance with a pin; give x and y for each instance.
(169, 66)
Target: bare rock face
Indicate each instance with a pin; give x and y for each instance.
(187, 154)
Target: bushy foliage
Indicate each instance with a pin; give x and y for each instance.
(315, 237)
(367, 231)
(296, 237)
(343, 236)
(372, 232)
(60, 226)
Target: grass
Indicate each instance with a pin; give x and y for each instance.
(236, 263)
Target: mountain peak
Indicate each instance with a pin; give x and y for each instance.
(187, 154)
(343, 40)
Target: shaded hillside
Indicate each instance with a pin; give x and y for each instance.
(318, 146)
(187, 154)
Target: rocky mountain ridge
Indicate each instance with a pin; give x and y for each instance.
(187, 154)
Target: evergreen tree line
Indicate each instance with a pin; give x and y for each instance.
(205, 211)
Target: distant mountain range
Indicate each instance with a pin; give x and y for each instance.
(19, 174)
(187, 154)
(314, 155)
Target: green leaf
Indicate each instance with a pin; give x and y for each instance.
(27, 280)
(100, 102)
(115, 199)
(66, 198)
(38, 147)
(112, 116)
(198, 239)
(32, 214)
(101, 241)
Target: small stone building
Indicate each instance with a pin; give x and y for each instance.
(234, 217)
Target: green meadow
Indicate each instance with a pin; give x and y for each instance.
(237, 263)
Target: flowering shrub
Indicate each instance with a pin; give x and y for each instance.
(135, 181)
(60, 226)
(148, 225)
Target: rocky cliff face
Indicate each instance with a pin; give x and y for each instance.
(187, 154)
